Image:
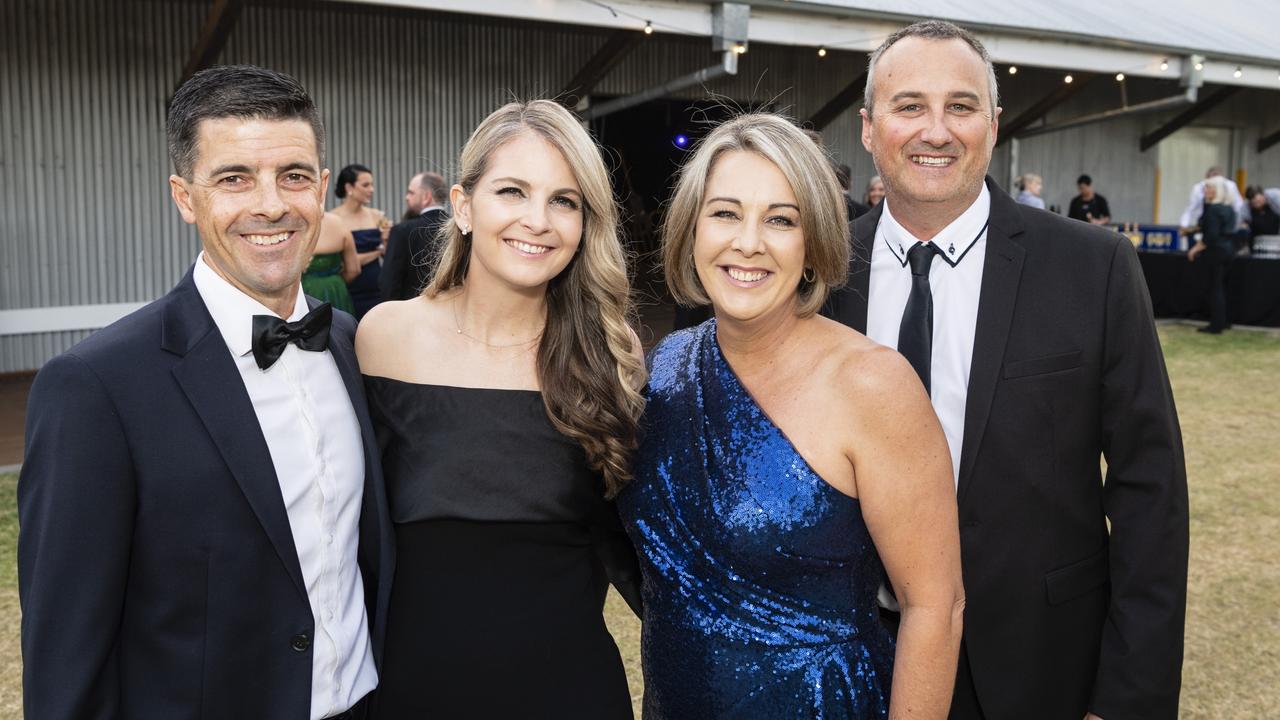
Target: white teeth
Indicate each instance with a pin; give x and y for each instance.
(932, 161)
(267, 239)
(746, 276)
(527, 248)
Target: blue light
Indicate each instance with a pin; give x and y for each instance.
(682, 141)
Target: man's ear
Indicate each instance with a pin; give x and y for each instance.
(182, 198)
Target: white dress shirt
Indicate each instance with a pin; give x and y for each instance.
(314, 439)
(1195, 205)
(955, 280)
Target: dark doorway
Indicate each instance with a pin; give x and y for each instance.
(646, 146)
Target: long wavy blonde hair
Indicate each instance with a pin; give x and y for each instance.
(586, 366)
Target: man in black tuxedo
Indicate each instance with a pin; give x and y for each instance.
(203, 527)
(1035, 338)
(411, 248)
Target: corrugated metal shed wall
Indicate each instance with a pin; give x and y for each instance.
(86, 213)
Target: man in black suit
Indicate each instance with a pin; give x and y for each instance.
(411, 248)
(203, 527)
(1035, 338)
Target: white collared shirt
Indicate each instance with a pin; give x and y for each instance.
(314, 439)
(429, 208)
(955, 279)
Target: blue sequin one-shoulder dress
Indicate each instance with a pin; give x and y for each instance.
(759, 578)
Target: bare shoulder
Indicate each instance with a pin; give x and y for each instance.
(387, 340)
(870, 378)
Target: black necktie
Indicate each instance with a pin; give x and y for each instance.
(271, 334)
(915, 334)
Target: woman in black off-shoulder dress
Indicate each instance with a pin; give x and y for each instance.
(505, 424)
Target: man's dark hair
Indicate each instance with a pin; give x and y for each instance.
(348, 176)
(1252, 191)
(1084, 180)
(235, 91)
(931, 30)
(434, 182)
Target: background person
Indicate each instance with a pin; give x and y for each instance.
(369, 227)
(411, 247)
(1089, 206)
(875, 191)
(783, 456)
(1195, 205)
(1217, 246)
(1030, 186)
(507, 398)
(333, 265)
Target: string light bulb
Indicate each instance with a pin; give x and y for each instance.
(648, 28)
(1199, 66)
(1068, 79)
(822, 52)
(1119, 77)
(1013, 69)
(1239, 71)
(740, 49)
(1164, 64)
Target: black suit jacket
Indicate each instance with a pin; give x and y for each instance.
(157, 570)
(1063, 616)
(411, 256)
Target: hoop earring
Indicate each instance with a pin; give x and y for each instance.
(809, 275)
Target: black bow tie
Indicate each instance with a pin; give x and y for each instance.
(271, 334)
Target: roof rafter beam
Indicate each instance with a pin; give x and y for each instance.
(1059, 95)
(619, 44)
(1186, 117)
(1268, 140)
(218, 25)
(842, 101)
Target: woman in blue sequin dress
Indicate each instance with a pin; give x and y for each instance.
(783, 456)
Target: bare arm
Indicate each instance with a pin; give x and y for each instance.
(350, 262)
(902, 470)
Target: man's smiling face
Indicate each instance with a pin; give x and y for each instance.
(256, 195)
(933, 127)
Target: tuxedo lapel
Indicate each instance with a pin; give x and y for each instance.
(852, 303)
(208, 376)
(999, 293)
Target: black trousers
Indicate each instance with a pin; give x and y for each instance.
(1217, 260)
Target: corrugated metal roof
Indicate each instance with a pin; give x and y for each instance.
(1228, 29)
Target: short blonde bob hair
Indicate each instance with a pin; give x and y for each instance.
(824, 220)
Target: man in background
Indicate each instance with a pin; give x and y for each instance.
(411, 248)
(1089, 206)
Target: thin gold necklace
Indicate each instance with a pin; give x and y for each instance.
(458, 326)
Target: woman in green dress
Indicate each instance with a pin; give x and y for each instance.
(333, 265)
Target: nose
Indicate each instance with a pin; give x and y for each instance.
(535, 218)
(936, 132)
(747, 240)
(268, 203)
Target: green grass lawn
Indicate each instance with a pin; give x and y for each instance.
(1228, 394)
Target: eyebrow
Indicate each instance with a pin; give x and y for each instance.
(524, 185)
(223, 169)
(916, 95)
(735, 201)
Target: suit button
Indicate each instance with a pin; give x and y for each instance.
(300, 643)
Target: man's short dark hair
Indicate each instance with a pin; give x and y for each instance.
(1252, 191)
(235, 91)
(931, 30)
(434, 182)
(1084, 180)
